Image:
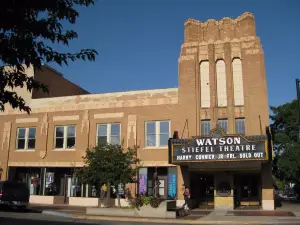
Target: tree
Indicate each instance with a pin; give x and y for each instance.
(284, 126)
(109, 164)
(289, 163)
(286, 143)
(29, 32)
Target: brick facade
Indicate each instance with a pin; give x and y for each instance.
(209, 41)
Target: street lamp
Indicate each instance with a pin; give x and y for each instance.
(298, 101)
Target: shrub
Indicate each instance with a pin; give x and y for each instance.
(146, 200)
(138, 202)
(155, 202)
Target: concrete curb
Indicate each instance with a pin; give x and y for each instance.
(175, 221)
(53, 213)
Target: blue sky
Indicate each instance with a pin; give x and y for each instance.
(139, 41)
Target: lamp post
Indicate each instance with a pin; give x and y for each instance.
(298, 101)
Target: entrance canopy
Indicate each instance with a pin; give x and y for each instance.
(220, 147)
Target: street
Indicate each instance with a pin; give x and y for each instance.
(16, 218)
(34, 216)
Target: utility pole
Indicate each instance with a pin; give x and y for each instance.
(298, 101)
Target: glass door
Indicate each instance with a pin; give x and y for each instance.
(249, 190)
(206, 188)
(162, 188)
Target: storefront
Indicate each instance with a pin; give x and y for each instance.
(162, 180)
(59, 185)
(225, 171)
(51, 181)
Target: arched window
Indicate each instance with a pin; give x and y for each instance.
(221, 84)
(205, 86)
(238, 82)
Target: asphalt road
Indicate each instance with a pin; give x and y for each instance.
(17, 218)
(9, 217)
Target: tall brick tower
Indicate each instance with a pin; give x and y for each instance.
(222, 75)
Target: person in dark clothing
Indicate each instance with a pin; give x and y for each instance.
(187, 196)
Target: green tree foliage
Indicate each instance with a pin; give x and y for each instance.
(286, 143)
(284, 126)
(110, 164)
(289, 163)
(29, 33)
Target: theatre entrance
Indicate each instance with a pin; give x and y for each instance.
(247, 191)
(202, 190)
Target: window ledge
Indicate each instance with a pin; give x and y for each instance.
(64, 150)
(25, 150)
(154, 148)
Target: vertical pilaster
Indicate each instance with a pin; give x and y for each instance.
(267, 187)
(223, 202)
(182, 180)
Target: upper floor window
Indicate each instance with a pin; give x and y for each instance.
(26, 138)
(223, 123)
(238, 82)
(221, 83)
(204, 84)
(240, 125)
(205, 127)
(65, 137)
(108, 133)
(157, 133)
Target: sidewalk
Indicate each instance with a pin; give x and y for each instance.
(201, 217)
(212, 218)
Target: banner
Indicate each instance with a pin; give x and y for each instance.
(172, 189)
(142, 184)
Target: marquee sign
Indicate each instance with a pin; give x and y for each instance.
(218, 148)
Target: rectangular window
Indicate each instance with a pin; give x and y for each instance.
(204, 84)
(240, 125)
(65, 137)
(205, 127)
(223, 124)
(149, 188)
(26, 138)
(157, 133)
(108, 133)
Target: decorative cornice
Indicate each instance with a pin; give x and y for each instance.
(46, 164)
(167, 96)
(217, 22)
(234, 40)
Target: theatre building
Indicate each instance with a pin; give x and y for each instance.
(220, 149)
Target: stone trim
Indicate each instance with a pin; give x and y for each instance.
(6, 136)
(108, 115)
(27, 120)
(155, 163)
(131, 130)
(65, 118)
(220, 22)
(268, 204)
(102, 101)
(47, 164)
(186, 58)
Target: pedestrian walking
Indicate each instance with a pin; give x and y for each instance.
(187, 196)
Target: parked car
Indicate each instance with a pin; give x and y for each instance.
(14, 194)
